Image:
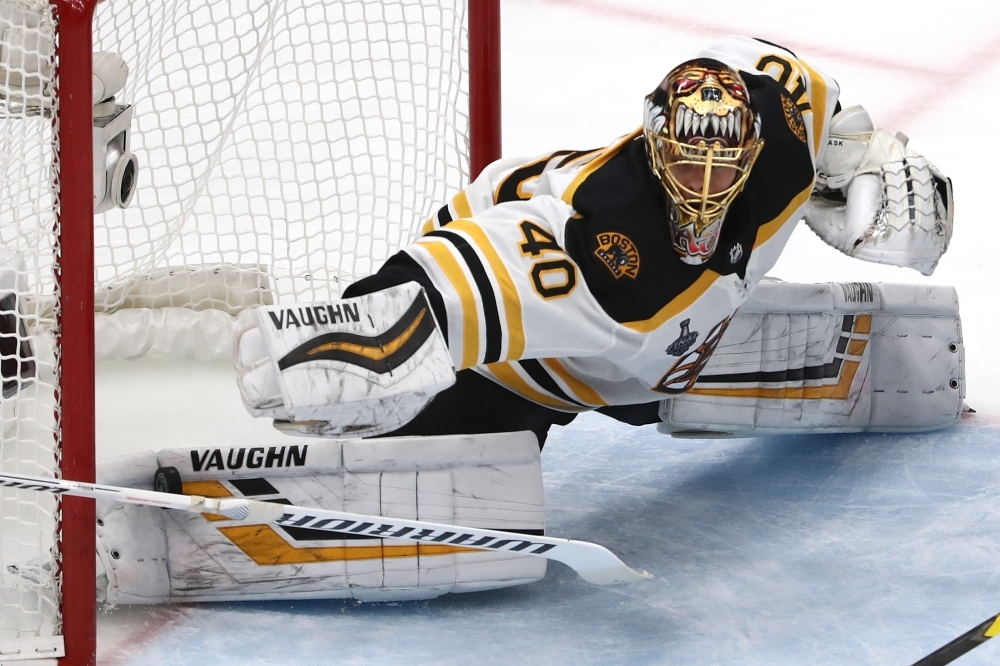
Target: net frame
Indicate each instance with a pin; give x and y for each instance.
(76, 431)
(75, 269)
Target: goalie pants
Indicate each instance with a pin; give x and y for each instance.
(474, 404)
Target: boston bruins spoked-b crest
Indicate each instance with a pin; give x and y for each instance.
(793, 117)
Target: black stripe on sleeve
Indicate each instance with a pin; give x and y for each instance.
(508, 189)
(576, 154)
(494, 330)
(444, 215)
(544, 379)
(400, 269)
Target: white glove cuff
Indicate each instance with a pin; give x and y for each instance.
(850, 133)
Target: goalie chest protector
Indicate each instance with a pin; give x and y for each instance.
(637, 321)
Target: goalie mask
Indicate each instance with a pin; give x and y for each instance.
(702, 138)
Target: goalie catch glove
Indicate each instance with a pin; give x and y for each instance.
(878, 200)
(354, 367)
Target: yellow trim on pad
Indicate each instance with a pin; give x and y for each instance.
(266, 547)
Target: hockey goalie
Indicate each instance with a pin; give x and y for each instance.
(625, 279)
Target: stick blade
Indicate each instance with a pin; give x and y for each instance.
(615, 575)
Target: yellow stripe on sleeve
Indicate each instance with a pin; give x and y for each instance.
(470, 312)
(768, 229)
(511, 301)
(428, 227)
(582, 391)
(818, 103)
(512, 380)
(462, 206)
(676, 306)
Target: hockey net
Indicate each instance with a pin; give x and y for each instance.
(285, 149)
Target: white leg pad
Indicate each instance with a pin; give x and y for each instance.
(831, 357)
(492, 481)
(131, 539)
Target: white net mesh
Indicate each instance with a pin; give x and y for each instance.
(285, 149)
(306, 138)
(29, 614)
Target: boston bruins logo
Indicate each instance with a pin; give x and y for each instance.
(794, 118)
(618, 253)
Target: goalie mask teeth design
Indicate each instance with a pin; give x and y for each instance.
(702, 138)
(692, 127)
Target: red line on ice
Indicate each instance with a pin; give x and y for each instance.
(928, 81)
(153, 626)
(685, 24)
(934, 86)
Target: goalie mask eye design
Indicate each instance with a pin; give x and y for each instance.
(702, 138)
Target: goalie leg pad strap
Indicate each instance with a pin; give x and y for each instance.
(830, 358)
(491, 481)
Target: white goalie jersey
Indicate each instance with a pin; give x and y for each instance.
(558, 277)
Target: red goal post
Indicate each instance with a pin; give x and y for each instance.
(88, 252)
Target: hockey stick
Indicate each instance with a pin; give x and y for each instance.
(594, 563)
(955, 649)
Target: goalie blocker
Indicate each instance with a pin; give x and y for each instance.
(834, 357)
(354, 367)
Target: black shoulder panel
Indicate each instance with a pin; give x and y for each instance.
(621, 241)
(782, 171)
(511, 187)
(620, 236)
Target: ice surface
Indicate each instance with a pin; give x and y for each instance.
(849, 549)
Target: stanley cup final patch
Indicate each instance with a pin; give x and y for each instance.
(687, 338)
(618, 253)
